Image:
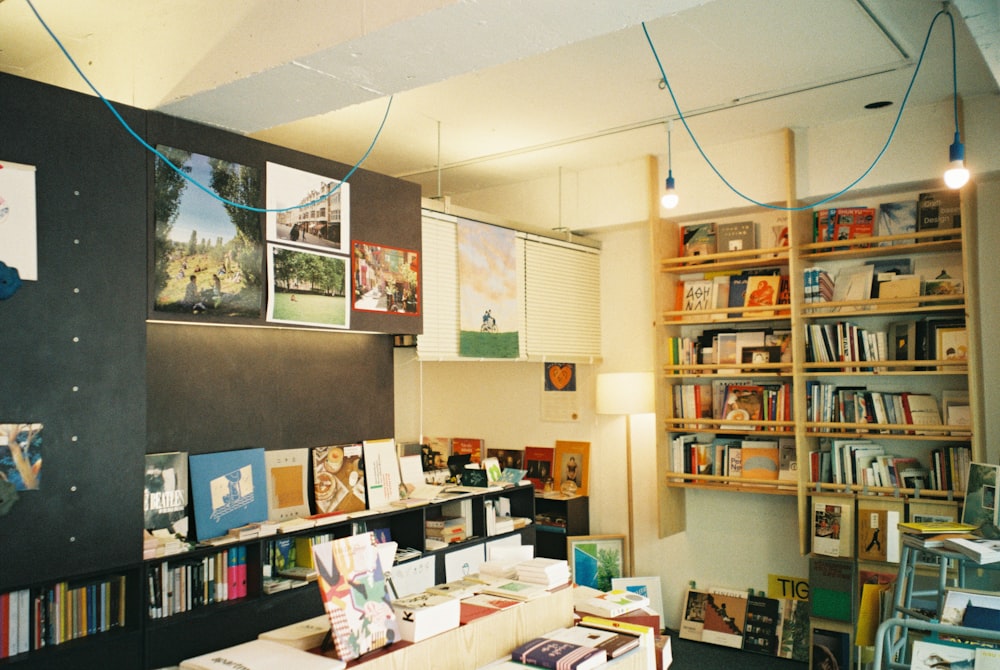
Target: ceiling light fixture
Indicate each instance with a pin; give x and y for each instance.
(957, 175)
(670, 198)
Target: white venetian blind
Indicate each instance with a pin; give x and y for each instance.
(440, 287)
(558, 284)
(562, 288)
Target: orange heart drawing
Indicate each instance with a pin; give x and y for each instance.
(560, 375)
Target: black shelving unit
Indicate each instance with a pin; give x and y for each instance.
(559, 518)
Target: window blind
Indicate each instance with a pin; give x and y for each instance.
(558, 286)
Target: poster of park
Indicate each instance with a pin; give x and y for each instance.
(207, 248)
(307, 288)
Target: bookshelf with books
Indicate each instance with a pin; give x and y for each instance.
(556, 518)
(880, 352)
(269, 584)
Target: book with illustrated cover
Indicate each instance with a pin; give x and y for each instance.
(830, 648)
(338, 478)
(896, 218)
(612, 603)
(698, 239)
(736, 236)
(165, 493)
(759, 459)
(422, 615)
(832, 520)
(927, 655)
(287, 482)
(878, 530)
(538, 464)
(21, 455)
(725, 618)
(697, 295)
(229, 490)
(355, 596)
(473, 446)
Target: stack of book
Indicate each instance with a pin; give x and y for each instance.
(549, 572)
(447, 529)
(933, 534)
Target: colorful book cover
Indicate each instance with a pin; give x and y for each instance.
(538, 463)
(698, 239)
(287, 482)
(338, 478)
(831, 649)
(21, 455)
(763, 625)
(229, 490)
(981, 507)
(832, 588)
(896, 218)
(165, 492)
(353, 588)
(725, 618)
(468, 445)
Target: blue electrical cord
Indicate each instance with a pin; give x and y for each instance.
(180, 171)
(864, 174)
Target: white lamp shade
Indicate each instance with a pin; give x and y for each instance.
(625, 393)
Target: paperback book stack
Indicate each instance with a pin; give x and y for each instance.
(447, 529)
(548, 572)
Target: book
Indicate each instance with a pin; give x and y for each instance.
(939, 210)
(832, 588)
(542, 652)
(471, 446)
(571, 466)
(697, 295)
(338, 478)
(612, 603)
(306, 634)
(981, 550)
(261, 655)
(229, 489)
(724, 618)
(935, 527)
(422, 615)
(287, 481)
(830, 648)
(613, 643)
(832, 520)
(355, 596)
(382, 479)
(515, 590)
(853, 283)
(762, 291)
(736, 236)
(165, 493)
(538, 464)
(759, 459)
(927, 655)
(896, 218)
(698, 239)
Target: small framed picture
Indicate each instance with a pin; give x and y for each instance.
(952, 344)
(758, 355)
(595, 560)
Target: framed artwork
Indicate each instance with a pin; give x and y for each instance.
(307, 288)
(571, 467)
(952, 343)
(648, 587)
(207, 257)
(385, 279)
(595, 560)
(316, 209)
(756, 355)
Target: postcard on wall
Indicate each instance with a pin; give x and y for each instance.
(307, 210)
(207, 256)
(560, 400)
(18, 225)
(307, 288)
(21, 455)
(385, 279)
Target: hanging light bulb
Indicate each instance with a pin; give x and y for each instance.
(670, 198)
(957, 175)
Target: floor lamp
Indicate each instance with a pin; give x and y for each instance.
(626, 393)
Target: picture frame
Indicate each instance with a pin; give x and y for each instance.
(571, 467)
(756, 355)
(645, 586)
(595, 560)
(951, 343)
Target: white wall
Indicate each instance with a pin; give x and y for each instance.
(734, 540)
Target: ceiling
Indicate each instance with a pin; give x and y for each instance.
(494, 92)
